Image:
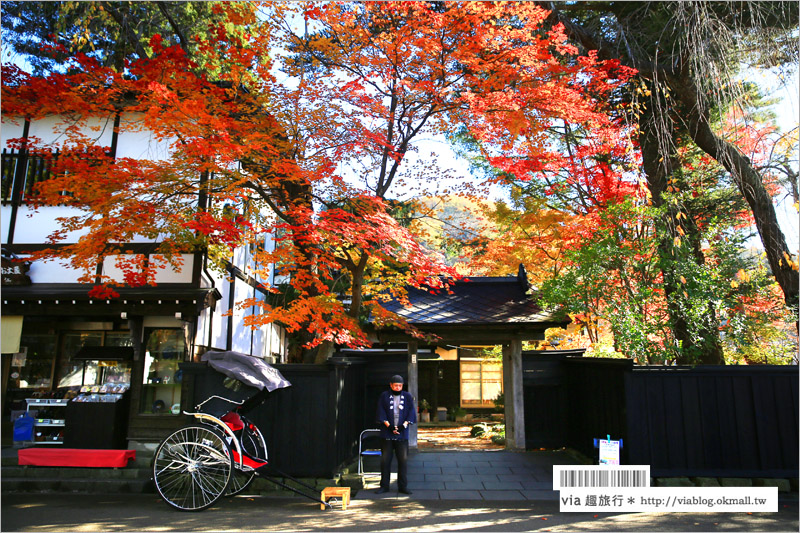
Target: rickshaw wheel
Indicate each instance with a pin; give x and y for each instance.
(253, 443)
(192, 468)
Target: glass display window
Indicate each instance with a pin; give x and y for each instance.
(75, 373)
(32, 367)
(161, 387)
(81, 371)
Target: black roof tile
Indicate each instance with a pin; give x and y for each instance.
(475, 300)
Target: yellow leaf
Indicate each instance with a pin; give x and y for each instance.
(683, 280)
(680, 230)
(734, 284)
(677, 241)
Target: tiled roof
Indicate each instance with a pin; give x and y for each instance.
(476, 300)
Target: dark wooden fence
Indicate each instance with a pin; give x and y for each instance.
(714, 421)
(733, 421)
(312, 427)
(597, 402)
(545, 396)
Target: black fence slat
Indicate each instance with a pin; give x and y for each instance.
(746, 431)
(637, 436)
(692, 421)
(766, 422)
(787, 432)
(657, 421)
(673, 422)
(729, 449)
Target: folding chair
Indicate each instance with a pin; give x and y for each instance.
(372, 438)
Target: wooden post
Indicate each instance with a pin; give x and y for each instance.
(512, 389)
(413, 388)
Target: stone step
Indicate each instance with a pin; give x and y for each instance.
(81, 485)
(134, 478)
(53, 472)
(123, 480)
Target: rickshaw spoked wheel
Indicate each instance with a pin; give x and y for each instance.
(193, 467)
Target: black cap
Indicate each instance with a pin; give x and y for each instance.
(396, 379)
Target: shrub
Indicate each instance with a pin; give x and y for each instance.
(499, 439)
(478, 430)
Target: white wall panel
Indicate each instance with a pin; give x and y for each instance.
(110, 268)
(242, 334)
(204, 320)
(35, 227)
(50, 130)
(260, 339)
(11, 129)
(168, 274)
(138, 144)
(219, 330)
(53, 272)
(182, 274)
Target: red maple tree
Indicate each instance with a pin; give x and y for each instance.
(248, 152)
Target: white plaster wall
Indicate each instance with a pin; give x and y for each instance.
(219, 329)
(260, 334)
(53, 272)
(242, 335)
(35, 227)
(110, 268)
(240, 257)
(203, 323)
(50, 130)
(11, 129)
(136, 143)
(183, 274)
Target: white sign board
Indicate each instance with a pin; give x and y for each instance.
(609, 452)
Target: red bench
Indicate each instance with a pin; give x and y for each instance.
(76, 457)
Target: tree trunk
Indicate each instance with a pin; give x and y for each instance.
(660, 162)
(750, 185)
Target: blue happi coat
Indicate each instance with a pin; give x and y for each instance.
(404, 403)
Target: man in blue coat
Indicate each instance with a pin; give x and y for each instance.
(396, 411)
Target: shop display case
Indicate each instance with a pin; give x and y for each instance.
(96, 417)
(49, 416)
(161, 388)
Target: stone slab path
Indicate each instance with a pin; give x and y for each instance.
(475, 475)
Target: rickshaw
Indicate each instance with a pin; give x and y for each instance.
(221, 452)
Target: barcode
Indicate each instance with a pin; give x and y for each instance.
(600, 476)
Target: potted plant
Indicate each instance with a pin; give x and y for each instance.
(424, 411)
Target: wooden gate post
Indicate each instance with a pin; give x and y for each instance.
(513, 392)
(413, 388)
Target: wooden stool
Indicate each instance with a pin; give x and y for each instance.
(336, 492)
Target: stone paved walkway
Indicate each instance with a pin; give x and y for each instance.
(453, 438)
(475, 475)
